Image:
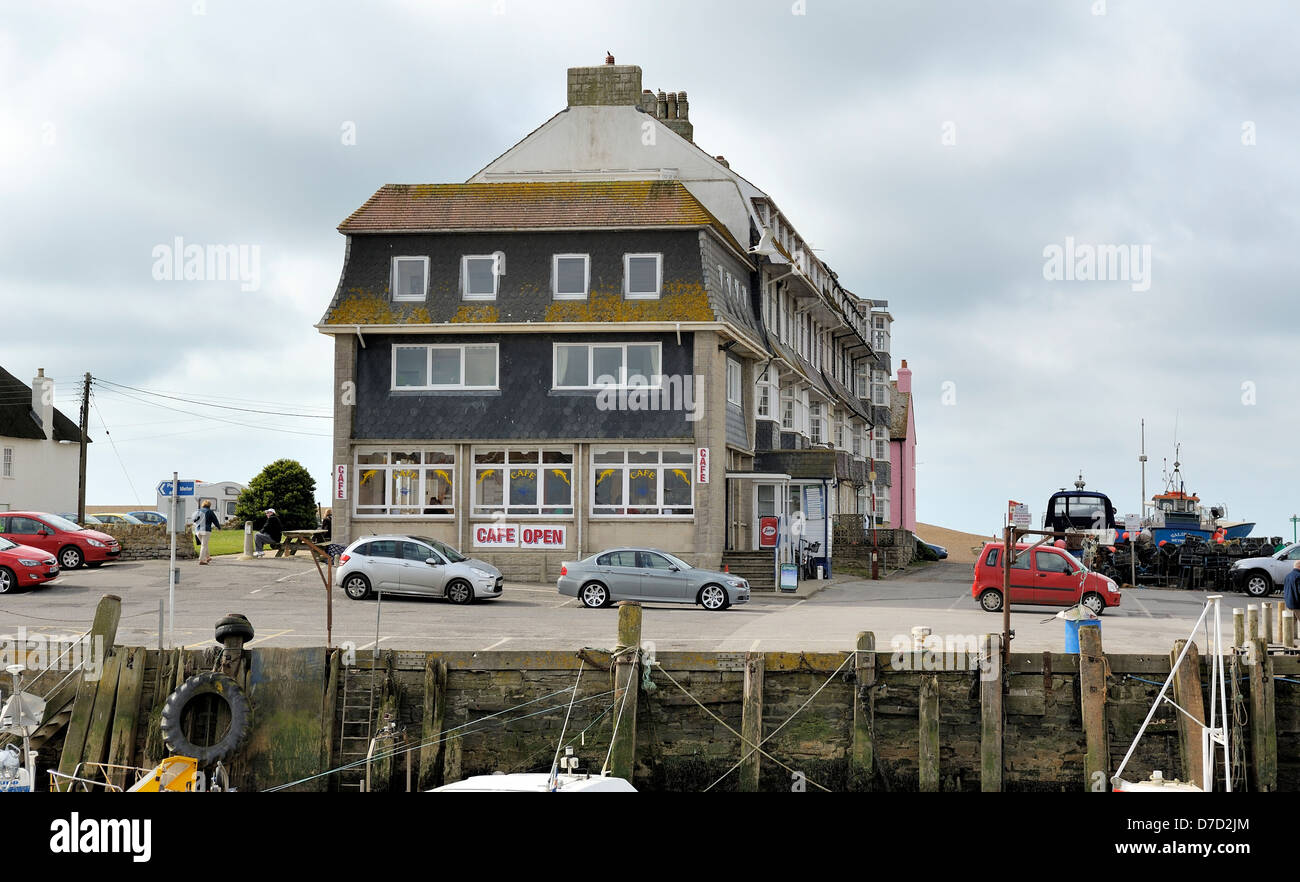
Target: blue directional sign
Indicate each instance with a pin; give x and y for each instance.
(186, 488)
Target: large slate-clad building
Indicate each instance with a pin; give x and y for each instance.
(594, 345)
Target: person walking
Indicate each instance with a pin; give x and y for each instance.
(270, 534)
(1291, 589)
(205, 521)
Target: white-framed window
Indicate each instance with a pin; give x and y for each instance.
(880, 445)
(642, 482)
(415, 482)
(733, 382)
(602, 365)
(857, 443)
(794, 410)
(444, 367)
(8, 462)
(767, 398)
(523, 481)
(815, 422)
(862, 380)
(642, 276)
(409, 278)
(880, 388)
(570, 276)
(480, 275)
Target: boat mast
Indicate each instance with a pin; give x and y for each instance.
(1142, 458)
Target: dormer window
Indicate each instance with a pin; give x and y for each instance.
(410, 278)
(480, 274)
(642, 276)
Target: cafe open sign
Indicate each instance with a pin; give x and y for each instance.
(533, 536)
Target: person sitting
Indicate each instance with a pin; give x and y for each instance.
(271, 533)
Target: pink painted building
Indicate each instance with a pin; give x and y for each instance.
(902, 452)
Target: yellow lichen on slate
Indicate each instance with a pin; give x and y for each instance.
(680, 301)
(476, 314)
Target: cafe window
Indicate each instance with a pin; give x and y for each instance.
(527, 481)
(635, 482)
(414, 483)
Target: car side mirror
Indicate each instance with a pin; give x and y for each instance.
(674, 569)
(433, 562)
(42, 533)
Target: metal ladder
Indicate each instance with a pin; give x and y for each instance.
(356, 725)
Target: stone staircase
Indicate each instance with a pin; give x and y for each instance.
(755, 567)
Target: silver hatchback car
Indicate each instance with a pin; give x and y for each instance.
(650, 575)
(414, 565)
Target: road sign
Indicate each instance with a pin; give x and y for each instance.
(186, 488)
(1020, 515)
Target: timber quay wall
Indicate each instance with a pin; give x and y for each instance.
(852, 720)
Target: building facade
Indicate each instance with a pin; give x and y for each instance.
(604, 337)
(39, 453)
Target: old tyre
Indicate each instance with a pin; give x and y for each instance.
(70, 557)
(173, 717)
(594, 595)
(1093, 602)
(1258, 584)
(8, 581)
(356, 586)
(713, 598)
(991, 600)
(234, 625)
(460, 592)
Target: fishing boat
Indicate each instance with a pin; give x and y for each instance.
(1177, 514)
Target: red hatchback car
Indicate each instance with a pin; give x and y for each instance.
(1047, 576)
(72, 545)
(22, 566)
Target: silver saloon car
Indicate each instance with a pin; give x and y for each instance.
(648, 575)
(414, 565)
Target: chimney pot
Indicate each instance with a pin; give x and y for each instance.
(609, 57)
(683, 111)
(672, 105)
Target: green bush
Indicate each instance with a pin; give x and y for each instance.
(285, 486)
(925, 552)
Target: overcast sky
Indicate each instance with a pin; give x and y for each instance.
(932, 152)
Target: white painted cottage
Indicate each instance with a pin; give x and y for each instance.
(38, 448)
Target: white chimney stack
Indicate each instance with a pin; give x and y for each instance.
(43, 401)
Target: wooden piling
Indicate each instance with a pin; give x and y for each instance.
(1238, 627)
(862, 759)
(1266, 621)
(627, 673)
(1188, 695)
(435, 716)
(103, 634)
(1288, 629)
(121, 746)
(1280, 613)
(751, 723)
(1263, 722)
(991, 675)
(1092, 694)
(101, 718)
(929, 736)
(329, 709)
(1252, 622)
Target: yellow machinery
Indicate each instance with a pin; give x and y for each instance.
(175, 774)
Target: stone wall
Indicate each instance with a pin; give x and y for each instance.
(150, 541)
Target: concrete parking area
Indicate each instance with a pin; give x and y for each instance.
(285, 599)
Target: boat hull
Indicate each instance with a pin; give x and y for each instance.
(1237, 531)
(1178, 535)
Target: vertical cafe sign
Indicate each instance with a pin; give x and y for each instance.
(341, 482)
(702, 465)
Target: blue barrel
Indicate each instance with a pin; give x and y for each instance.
(1072, 632)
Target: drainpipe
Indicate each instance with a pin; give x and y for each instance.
(826, 529)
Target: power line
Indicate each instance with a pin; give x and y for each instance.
(217, 418)
(113, 444)
(208, 404)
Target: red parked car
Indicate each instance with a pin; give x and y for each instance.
(1046, 576)
(72, 545)
(22, 566)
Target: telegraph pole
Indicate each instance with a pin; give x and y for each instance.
(81, 464)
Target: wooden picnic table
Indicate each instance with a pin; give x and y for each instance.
(293, 541)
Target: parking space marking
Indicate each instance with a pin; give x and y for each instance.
(495, 645)
(372, 642)
(1142, 606)
(268, 637)
(754, 646)
(294, 575)
(255, 590)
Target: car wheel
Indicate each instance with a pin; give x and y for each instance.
(991, 601)
(460, 592)
(1259, 584)
(8, 582)
(1094, 603)
(356, 586)
(71, 558)
(713, 597)
(594, 595)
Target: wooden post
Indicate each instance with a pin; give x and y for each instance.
(1266, 621)
(751, 723)
(1288, 629)
(329, 709)
(1263, 722)
(991, 675)
(1188, 695)
(1238, 627)
(1252, 622)
(101, 718)
(1279, 635)
(121, 748)
(1092, 693)
(627, 672)
(862, 759)
(435, 716)
(103, 634)
(929, 735)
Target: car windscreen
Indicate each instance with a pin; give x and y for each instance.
(677, 561)
(452, 555)
(60, 523)
(5, 544)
